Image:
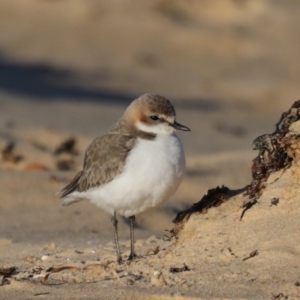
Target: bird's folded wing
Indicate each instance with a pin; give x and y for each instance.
(104, 160)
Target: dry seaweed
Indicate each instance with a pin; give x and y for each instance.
(56, 270)
(274, 201)
(6, 273)
(178, 270)
(214, 197)
(67, 146)
(8, 154)
(247, 205)
(272, 154)
(252, 254)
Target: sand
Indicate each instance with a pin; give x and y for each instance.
(69, 68)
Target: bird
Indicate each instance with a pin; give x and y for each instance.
(137, 164)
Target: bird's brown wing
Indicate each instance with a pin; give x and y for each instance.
(104, 159)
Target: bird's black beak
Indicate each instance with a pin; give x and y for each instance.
(180, 127)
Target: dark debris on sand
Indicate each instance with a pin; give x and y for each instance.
(178, 270)
(65, 153)
(214, 197)
(67, 146)
(9, 155)
(5, 274)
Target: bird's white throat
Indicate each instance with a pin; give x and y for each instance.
(161, 128)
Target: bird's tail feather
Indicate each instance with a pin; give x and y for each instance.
(70, 187)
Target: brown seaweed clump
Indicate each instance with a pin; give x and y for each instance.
(273, 152)
(214, 197)
(9, 155)
(276, 151)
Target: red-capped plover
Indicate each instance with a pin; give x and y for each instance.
(139, 163)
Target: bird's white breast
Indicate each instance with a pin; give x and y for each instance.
(152, 173)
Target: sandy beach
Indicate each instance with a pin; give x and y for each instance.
(68, 69)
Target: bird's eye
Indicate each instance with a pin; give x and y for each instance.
(154, 118)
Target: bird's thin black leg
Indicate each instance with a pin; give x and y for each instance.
(132, 253)
(114, 222)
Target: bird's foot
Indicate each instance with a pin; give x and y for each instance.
(132, 256)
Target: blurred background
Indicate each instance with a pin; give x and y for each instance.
(70, 67)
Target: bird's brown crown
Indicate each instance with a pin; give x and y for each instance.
(147, 105)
